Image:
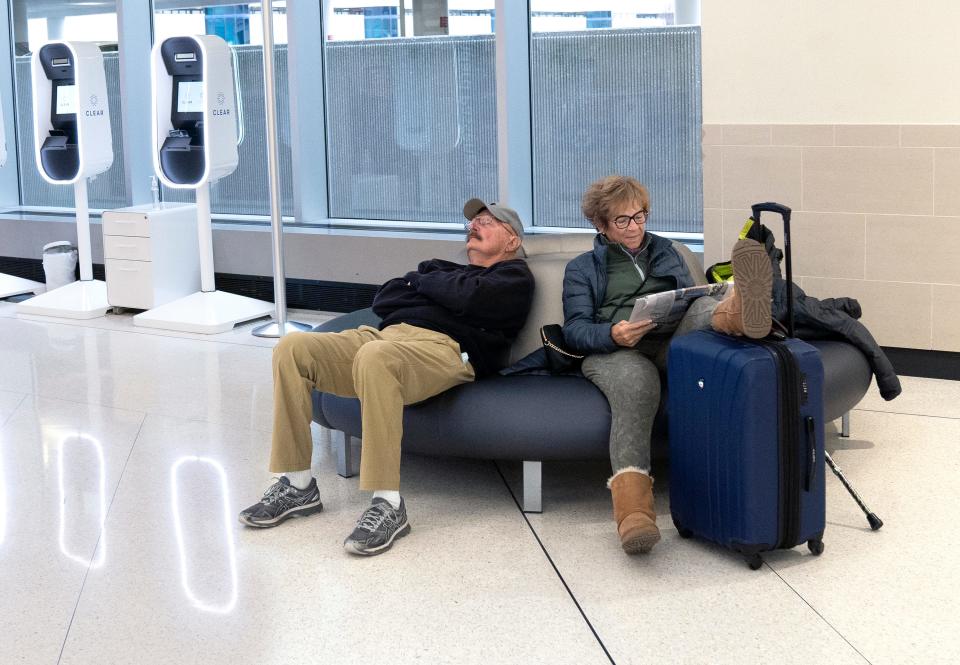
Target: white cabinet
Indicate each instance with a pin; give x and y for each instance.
(150, 254)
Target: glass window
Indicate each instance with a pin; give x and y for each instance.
(610, 97)
(373, 19)
(411, 123)
(247, 190)
(567, 15)
(35, 23)
(599, 20)
(380, 22)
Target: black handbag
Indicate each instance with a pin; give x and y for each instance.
(559, 360)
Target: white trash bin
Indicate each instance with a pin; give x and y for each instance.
(59, 264)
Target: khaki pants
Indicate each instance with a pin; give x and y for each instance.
(386, 369)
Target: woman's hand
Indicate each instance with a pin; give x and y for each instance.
(628, 334)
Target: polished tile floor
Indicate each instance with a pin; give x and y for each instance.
(125, 455)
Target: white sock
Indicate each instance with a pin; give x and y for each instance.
(299, 479)
(393, 496)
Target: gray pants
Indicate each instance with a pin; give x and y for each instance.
(630, 380)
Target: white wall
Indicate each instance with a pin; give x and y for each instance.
(832, 62)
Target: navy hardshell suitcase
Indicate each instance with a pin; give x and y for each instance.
(746, 442)
(746, 437)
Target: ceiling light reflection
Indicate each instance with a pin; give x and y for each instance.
(101, 551)
(227, 524)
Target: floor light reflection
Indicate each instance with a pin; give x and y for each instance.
(227, 524)
(101, 550)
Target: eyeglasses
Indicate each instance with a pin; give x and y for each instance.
(486, 220)
(623, 221)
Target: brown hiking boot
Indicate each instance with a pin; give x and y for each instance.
(746, 311)
(633, 511)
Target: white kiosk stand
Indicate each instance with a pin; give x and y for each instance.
(73, 142)
(194, 144)
(11, 285)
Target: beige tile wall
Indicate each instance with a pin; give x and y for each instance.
(876, 216)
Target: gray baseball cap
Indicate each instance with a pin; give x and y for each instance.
(506, 215)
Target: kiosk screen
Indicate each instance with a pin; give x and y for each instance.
(66, 99)
(190, 97)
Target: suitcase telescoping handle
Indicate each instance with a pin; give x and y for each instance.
(784, 212)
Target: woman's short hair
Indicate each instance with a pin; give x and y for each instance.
(609, 192)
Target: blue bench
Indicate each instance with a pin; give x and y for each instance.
(541, 418)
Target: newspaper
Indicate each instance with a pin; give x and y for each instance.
(668, 307)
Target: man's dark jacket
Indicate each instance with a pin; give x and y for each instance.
(482, 309)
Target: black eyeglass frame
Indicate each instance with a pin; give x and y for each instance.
(638, 218)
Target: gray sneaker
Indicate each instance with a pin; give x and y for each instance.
(282, 501)
(377, 528)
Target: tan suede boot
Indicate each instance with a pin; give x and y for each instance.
(746, 311)
(633, 511)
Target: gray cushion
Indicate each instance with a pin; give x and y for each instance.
(547, 306)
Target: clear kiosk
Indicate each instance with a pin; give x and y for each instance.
(73, 143)
(11, 285)
(194, 144)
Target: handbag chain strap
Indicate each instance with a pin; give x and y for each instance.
(551, 345)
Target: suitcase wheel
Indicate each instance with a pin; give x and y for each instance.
(755, 561)
(684, 532)
(815, 546)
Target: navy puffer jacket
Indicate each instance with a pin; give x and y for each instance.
(585, 286)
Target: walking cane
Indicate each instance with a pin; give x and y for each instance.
(875, 522)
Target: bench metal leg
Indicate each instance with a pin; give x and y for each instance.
(343, 444)
(532, 495)
(845, 425)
